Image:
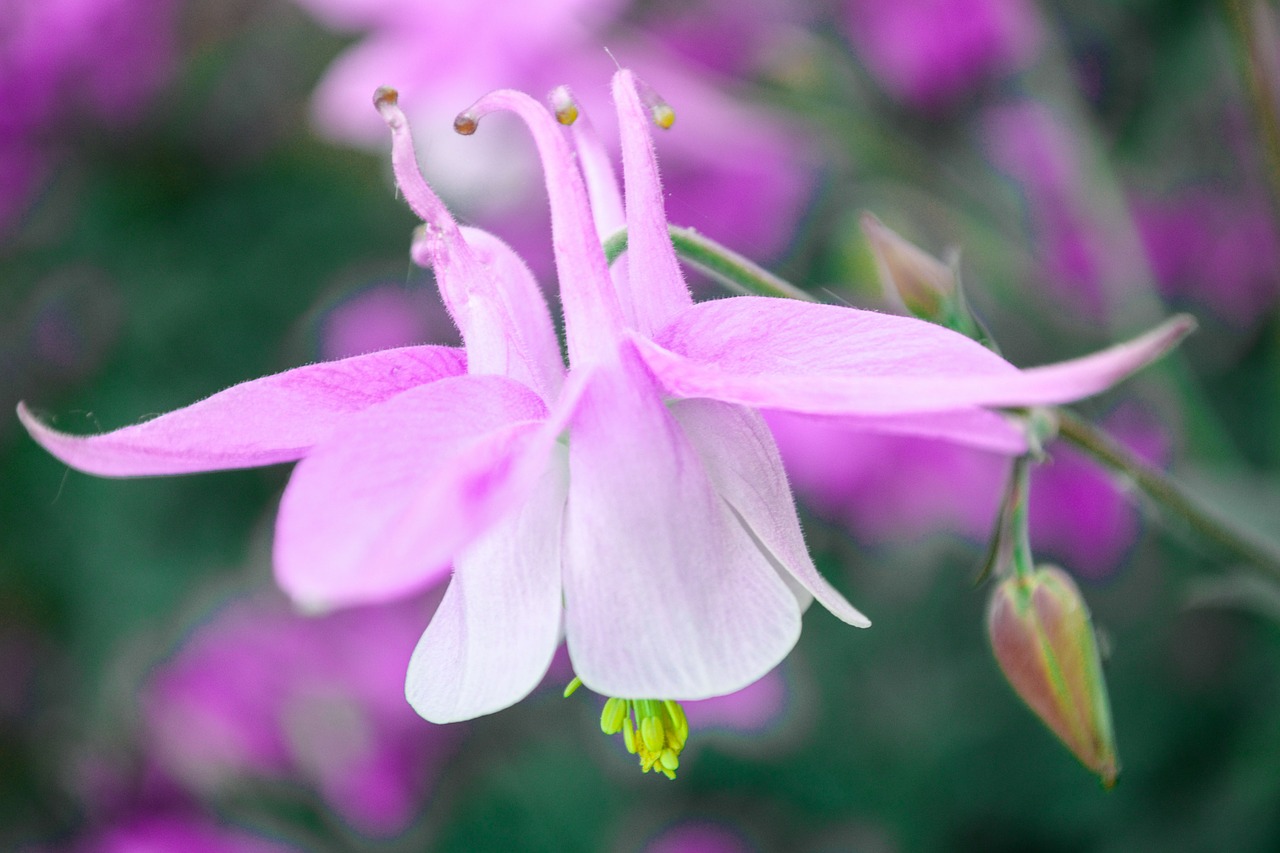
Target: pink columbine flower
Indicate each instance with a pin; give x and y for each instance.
(635, 504)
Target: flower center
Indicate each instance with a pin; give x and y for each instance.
(653, 729)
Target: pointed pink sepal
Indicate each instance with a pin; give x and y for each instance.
(828, 360)
(277, 418)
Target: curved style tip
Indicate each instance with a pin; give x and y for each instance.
(466, 123)
(565, 107)
(385, 96)
(387, 102)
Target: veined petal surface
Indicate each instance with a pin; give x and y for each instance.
(825, 359)
(742, 460)
(666, 594)
(384, 505)
(498, 625)
(277, 418)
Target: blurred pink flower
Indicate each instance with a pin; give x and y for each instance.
(64, 59)
(1026, 141)
(260, 692)
(418, 458)
(1214, 249)
(185, 830)
(383, 316)
(887, 488)
(699, 836)
(753, 709)
(733, 160)
(929, 53)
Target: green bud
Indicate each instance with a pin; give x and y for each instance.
(1044, 642)
(925, 285)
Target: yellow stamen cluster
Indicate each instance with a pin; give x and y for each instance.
(653, 729)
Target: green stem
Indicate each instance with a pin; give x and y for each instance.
(1167, 494)
(724, 265)
(1253, 30)
(1019, 489)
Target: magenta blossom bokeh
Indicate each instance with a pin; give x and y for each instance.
(930, 53)
(886, 488)
(186, 830)
(1030, 143)
(699, 836)
(1212, 248)
(65, 61)
(260, 692)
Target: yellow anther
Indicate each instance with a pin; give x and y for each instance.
(612, 715)
(565, 107)
(573, 687)
(679, 720)
(659, 110)
(652, 733)
(663, 115)
(655, 731)
(629, 734)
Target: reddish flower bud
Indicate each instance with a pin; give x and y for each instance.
(1044, 642)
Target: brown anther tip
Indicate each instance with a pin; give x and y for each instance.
(385, 96)
(465, 124)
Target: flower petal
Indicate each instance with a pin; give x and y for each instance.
(381, 508)
(498, 626)
(522, 340)
(666, 594)
(980, 428)
(651, 260)
(825, 359)
(277, 418)
(743, 462)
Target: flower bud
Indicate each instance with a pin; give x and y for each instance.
(925, 285)
(1044, 642)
